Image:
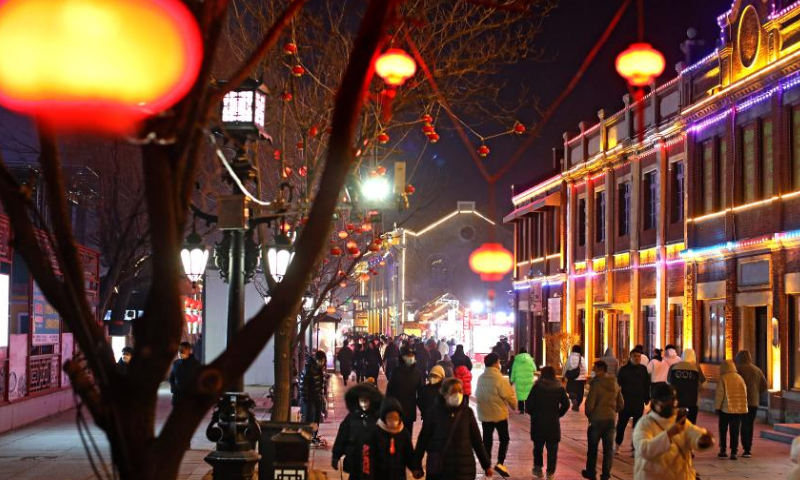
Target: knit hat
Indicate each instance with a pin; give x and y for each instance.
(437, 371)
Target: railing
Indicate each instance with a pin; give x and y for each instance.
(44, 373)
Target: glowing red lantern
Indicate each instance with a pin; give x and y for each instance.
(428, 129)
(427, 119)
(519, 128)
(483, 150)
(410, 189)
(640, 64)
(383, 138)
(381, 170)
(491, 261)
(349, 227)
(364, 277)
(313, 131)
(96, 65)
(276, 155)
(433, 137)
(289, 48)
(336, 251)
(395, 66)
(331, 309)
(342, 234)
(302, 171)
(374, 247)
(286, 96)
(298, 71)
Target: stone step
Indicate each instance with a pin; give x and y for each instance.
(790, 428)
(777, 436)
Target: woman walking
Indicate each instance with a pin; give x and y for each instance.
(451, 438)
(575, 373)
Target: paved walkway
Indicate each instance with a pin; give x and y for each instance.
(51, 449)
(770, 459)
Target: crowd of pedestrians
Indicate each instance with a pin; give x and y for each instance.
(435, 377)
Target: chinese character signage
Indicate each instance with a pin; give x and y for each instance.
(46, 323)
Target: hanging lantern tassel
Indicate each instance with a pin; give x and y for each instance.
(391, 447)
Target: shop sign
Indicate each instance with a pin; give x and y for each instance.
(361, 320)
(46, 321)
(554, 309)
(536, 298)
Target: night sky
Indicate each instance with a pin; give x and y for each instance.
(447, 174)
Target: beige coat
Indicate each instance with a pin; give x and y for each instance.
(660, 458)
(493, 393)
(794, 454)
(731, 395)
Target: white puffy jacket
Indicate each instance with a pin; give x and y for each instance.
(658, 457)
(574, 361)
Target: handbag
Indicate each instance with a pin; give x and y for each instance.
(434, 465)
(573, 373)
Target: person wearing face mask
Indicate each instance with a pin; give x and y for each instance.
(390, 450)
(664, 440)
(602, 404)
(363, 403)
(495, 396)
(634, 382)
(451, 438)
(184, 369)
(312, 392)
(430, 392)
(546, 404)
(405, 385)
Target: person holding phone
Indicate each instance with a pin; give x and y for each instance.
(664, 439)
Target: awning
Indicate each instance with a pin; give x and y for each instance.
(552, 200)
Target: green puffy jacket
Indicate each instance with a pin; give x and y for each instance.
(522, 375)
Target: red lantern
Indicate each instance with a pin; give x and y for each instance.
(342, 234)
(427, 119)
(336, 251)
(366, 227)
(287, 171)
(483, 150)
(313, 131)
(383, 138)
(289, 48)
(374, 247)
(96, 65)
(381, 170)
(410, 189)
(364, 277)
(343, 284)
(378, 241)
(395, 66)
(491, 261)
(303, 220)
(331, 309)
(640, 64)
(349, 227)
(286, 96)
(433, 137)
(277, 155)
(427, 129)
(302, 171)
(298, 71)
(519, 128)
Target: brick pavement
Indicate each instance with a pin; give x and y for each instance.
(770, 458)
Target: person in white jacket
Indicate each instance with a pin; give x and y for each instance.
(659, 368)
(575, 373)
(664, 442)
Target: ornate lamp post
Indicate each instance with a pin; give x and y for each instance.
(279, 255)
(194, 257)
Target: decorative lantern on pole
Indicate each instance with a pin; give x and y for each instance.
(491, 261)
(292, 451)
(194, 257)
(243, 110)
(98, 66)
(279, 256)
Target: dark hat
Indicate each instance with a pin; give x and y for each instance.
(408, 352)
(390, 404)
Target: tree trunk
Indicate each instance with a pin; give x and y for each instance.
(282, 401)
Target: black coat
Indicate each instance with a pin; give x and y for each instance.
(435, 356)
(460, 358)
(428, 396)
(182, 373)
(386, 463)
(372, 361)
(312, 382)
(122, 367)
(546, 404)
(423, 359)
(457, 459)
(356, 428)
(345, 357)
(405, 386)
(448, 368)
(634, 380)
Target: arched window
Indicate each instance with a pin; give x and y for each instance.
(438, 272)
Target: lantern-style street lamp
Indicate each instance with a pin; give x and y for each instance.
(243, 110)
(395, 66)
(640, 64)
(194, 257)
(491, 261)
(96, 65)
(279, 256)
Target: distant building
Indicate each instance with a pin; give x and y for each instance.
(425, 263)
(688, 232)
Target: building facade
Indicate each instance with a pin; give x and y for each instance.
(685, 231)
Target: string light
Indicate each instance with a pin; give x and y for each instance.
(783, 11)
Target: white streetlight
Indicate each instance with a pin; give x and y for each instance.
(194, 257)
(375, 188)
(279, 256)
(476, 306)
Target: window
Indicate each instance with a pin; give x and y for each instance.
(439, 277)
(766, 158)
(581, 222)
(749, 168)
(650, 200)
(722, 178)
(600, 216)
(796, 147)
(650, 320)
(678, 188)
(709, 182)
(714, 332)
(624, 208)
(599, 334)
(677, 326)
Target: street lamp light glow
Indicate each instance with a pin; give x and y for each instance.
(194, 257)
(476, 306)
(279, 256)
(376, 188)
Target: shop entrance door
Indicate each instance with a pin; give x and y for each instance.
(599, 333)
(623, 336)
(761, 355)
(538, 335)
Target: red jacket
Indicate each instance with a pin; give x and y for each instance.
(465, 376)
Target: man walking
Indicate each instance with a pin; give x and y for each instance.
(687, 377)
(602, 404)
(756, 385)
(634, 383)
(184, 369)
(494, 395)
(406, 385)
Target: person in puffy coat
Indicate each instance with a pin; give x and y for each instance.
(494, 396)
(575, 373)
(730, 402)
(663, 444)
(390, 450)
(312, 390)
(363, 405)
(462, 373)
(634, 383)
(430, 392)
(611, 361)
(391, 358)
(406, 385)
(449, 436)
(756, 385)
(345, 357)
(687, 377)
(602, 405)
(522, 372)
(460, 358)
(546, 404)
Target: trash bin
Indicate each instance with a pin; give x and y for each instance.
(266, 446)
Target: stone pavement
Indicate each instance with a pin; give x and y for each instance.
(770, 459)
(51, 449)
